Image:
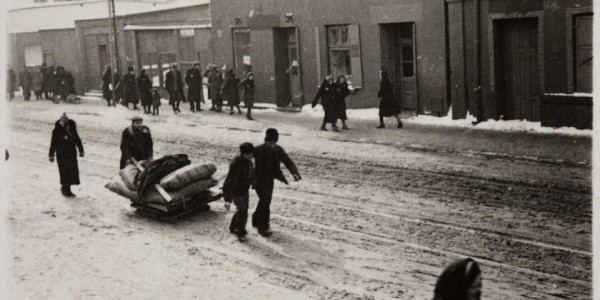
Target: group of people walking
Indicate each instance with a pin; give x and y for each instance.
(49, 83)
(221, 87)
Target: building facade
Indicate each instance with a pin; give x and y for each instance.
(494, 59)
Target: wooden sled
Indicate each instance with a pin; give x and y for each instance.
(175, 208)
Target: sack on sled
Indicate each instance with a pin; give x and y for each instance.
(129, 174)
(118, 186)
(186, 175)
(190, 190)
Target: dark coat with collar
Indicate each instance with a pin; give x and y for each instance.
(268, 158)
(65, 144)
(136, 144)
(239, 179)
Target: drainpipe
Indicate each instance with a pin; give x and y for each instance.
(477, 88)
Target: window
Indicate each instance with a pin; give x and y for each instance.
(241, 48)
(343, 48)
(584, 57)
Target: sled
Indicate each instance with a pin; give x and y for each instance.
(174, 209)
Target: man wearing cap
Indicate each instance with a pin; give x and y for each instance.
(136, 142)
(193, 78)
(268, 158)
(215, 81)
(236, 188)
(130, 92)
(65, 144)
(174, 86)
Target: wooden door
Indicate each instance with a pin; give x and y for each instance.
(294, 68)
(519, 50)
(406, 66)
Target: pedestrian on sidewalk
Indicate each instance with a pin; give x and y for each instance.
(247, 89)
(174, 86)
(155, 101)
(268, 158)
(136, 142)
(215, 81)
(326, 95)
(107, 85)
(11, 82)
(144, 86)
(61, 84)
(236, 188)
(25, 82)
(130, 90)
(51, 84)
(340, 92)
(36, 83)
(388, 107)
(231, 92)
(65, 143)
(461, 280)
(193, 78)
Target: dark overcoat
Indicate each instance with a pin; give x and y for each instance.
(174, 86)
(51, 80)
(247, 88)
(130, 93)
(193, 78)
(340, 92)
(239, 179)
(230, 90)
(65, 144)
(136, 143)
(326, 95)
(106, 84)
(215, 81)
(389, 105)
(144, 86)
(268, 158)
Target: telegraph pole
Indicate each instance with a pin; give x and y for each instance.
(114, 46)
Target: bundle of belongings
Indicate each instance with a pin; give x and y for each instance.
(186, 184)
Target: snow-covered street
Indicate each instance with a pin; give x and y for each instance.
(378, 214)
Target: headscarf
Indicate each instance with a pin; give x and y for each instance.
(457, 278)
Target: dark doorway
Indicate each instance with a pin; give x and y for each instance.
(517, 71)
(287, 67)
(398, 58)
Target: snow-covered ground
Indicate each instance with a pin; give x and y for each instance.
(378, 214)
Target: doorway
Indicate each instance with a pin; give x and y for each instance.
(517, 71)
(288, 80)
(398, 58)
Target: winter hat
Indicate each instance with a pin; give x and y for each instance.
(64, 117)
(137, 118)
(271, 135)
(196, 63)
(247, 148)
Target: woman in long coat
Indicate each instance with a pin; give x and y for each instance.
(341, 91)
(247, 88)
(65, 144)
(107, 84)
(230, 91)
(36, 83)
(388, 106)
(144, 86)
(326, 94)
(130, 92)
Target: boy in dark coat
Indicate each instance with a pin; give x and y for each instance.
(65, 144)
(174, 86)
(268, 158)
(326, 94)
(236, 187)
(136, 142)
(193, 78)
(215, 81)
(155, 101)
(247, 88)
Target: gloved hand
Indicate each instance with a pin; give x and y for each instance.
(51, 159)
(297, 177)
(313, 105)
(81, 154)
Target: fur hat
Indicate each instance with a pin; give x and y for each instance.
(271, 135)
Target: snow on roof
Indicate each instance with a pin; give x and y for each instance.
(165, 27)
(161, 7)
(63, 16)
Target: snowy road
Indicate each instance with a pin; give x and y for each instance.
(374, 218)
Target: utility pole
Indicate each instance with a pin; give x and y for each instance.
(114, 47)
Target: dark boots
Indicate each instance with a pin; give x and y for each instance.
(66, 191)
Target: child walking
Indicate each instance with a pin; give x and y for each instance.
(155, 101)
(236, 188)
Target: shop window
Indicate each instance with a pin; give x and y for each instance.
(584, 57)
(241, 48)
(343, 48)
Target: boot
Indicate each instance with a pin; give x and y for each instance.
(265, 232)
(399, 124)
(249, 117)
(323, 127)
(63, 190)
(335, 128)
(345, 127)
(68, 191)
(381, 124)
(239, 110)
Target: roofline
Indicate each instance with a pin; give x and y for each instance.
(165, 27)
(146, 12)
(80, 3)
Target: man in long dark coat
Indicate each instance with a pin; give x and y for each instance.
(268, 158)
(327, 96)
(174, 86)
(25, 82)
(65, 144)
(136, 142)
(11, 83)
(193, 78)
(61, 88)
(215, 81)
(144, 85)
(130, 92)
(107, 92)
(50, 83)
(44, 72)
